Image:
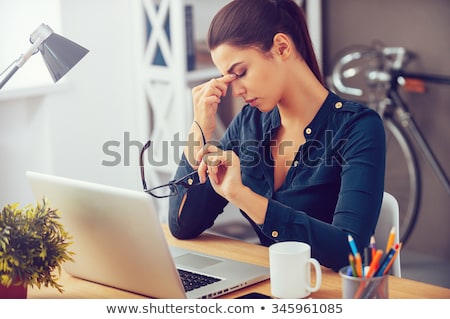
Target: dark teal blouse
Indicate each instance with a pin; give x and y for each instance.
(334, 186)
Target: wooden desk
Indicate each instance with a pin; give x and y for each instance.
(215, 245)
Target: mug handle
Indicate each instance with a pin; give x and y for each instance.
(318, 271)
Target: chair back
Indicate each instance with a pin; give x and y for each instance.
(389, 217)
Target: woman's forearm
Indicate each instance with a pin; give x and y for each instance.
(194, 145)
(253, 204)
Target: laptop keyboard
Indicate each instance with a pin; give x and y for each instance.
(193, 280)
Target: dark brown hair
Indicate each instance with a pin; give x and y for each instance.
(254, 23)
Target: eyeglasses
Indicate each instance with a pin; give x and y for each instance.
(169, 189)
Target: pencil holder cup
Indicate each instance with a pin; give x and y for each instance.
(363, 288)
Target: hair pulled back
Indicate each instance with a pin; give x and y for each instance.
(254, 23)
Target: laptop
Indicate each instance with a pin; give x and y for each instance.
(119, 242)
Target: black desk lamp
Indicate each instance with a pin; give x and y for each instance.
(59, 53)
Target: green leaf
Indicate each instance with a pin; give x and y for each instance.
(33, 245)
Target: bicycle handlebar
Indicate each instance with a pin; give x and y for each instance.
(337, 74)
(389, 59)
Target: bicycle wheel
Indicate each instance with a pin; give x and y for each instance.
(402, 176)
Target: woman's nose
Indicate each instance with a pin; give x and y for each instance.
(237, 88)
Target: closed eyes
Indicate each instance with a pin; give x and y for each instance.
(240, 75)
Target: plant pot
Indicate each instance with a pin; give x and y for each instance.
(13, 292)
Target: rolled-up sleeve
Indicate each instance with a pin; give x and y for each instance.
(200, 209)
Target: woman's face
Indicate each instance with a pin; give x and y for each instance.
(260, 79)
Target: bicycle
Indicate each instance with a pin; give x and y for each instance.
(375, 75)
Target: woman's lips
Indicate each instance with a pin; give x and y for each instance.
(252, 102)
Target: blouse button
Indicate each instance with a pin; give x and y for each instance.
(308, 131)
(274, 234)
(338, 105)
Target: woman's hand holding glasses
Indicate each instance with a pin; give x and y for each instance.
(222, 168)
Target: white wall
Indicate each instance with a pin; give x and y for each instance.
(63, 132)
(101, 103)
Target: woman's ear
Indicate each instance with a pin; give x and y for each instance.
(282, 45)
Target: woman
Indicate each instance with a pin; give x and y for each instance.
(300, 162)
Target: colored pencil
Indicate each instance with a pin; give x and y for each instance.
(375, 263)
(393, 258)
(352, 244)
(373, 246)
(351, 260)
(359, 266)
(390, 241)
(386, 260)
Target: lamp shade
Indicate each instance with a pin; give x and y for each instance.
(60, 55)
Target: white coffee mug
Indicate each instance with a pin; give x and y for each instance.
(290, 270)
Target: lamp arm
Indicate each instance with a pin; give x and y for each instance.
(9, 75)
(20, 61)
(28, 53)
(37, 38)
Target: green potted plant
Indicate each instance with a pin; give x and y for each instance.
(33, 246)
